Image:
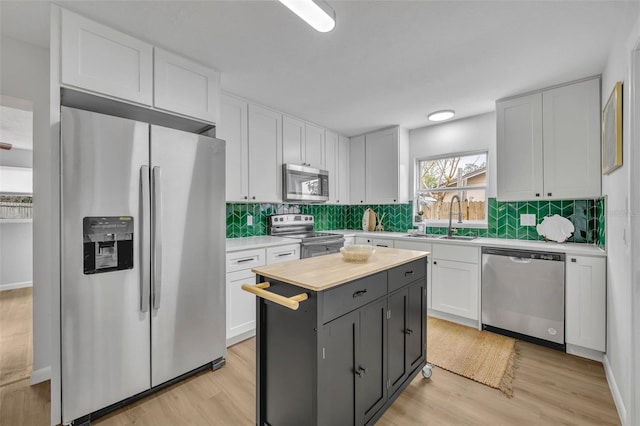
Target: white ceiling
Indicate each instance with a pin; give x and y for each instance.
(385, 63)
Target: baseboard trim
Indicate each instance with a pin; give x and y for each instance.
(41, 375)
(13, 286)
(240, 337)
(615, 392)
(585, 352)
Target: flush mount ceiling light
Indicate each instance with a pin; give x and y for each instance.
(316, 13)
(443, 115)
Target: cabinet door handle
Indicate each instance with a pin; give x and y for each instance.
(248, 259)
(381, 245)
(537, 194)
(549, 194)
(408, 331)
(360, 371)
(285, 254)
(359, 293)
(407, 273)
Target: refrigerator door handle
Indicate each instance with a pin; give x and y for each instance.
(157, 237)
(145, 261)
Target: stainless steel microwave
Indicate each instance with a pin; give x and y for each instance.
(304, 184)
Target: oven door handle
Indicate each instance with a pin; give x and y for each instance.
(322, 243)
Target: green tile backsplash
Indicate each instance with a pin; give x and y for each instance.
(588, 217)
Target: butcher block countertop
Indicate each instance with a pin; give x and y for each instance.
(324, 272)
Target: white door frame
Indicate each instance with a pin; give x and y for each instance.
(634, 218)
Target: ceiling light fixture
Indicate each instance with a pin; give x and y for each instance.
(316, 13)
(443, 115)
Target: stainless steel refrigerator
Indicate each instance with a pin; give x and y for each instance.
(142, 280)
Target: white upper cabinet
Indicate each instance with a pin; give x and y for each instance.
(265, 151)
(332, 166)
(314, 146)
(343, 171)
(381, 164)
(185, 87)
(302, 143)
(99, 59)
(233, 128)
(357, 170)
(571, 135)
(379, 167)
(337, 164)
(102, 60)
(548, 144)
(520, 147)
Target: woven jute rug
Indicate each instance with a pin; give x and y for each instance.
(485, 357)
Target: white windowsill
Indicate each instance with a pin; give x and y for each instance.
(476, 224)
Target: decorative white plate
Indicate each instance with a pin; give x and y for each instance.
(555, 228)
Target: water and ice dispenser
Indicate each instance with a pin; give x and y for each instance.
(108, 243)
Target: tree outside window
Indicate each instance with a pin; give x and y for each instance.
(440, 178)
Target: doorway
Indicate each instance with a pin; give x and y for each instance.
(16, 242)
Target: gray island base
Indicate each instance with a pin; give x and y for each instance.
(354, 343)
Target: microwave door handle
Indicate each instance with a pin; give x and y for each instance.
(157, 237)
(145, 249)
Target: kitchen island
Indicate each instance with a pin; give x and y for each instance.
(338, 341)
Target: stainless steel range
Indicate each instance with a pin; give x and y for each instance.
(300, 226)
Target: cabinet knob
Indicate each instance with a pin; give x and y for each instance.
(574, 260)
(394, 200)
(245, 197)
(253, 198)
(549, 194)
(360, 371)
(435, 263)
(537, 194)
(337, 201)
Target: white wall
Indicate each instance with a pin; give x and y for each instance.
(468, 134)
(16, 256)
(620, 355)
(24, 74)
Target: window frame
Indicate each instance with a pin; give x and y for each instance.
(481, 224)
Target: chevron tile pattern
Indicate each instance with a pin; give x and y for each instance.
(503, 218)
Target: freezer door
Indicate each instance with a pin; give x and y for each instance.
(105, 331)
(187, 292)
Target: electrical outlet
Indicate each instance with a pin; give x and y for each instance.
(249, 220)
(527, 220)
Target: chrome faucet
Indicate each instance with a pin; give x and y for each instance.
(455, 197)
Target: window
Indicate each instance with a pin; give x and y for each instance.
(441, 178)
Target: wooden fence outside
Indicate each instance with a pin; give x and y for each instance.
(471, 210)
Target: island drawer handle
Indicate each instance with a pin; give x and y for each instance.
(359, 293)
(407, 273)
(288, 302)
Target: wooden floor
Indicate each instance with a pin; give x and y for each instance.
(550, 388)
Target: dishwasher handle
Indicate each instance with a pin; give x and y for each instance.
(519, 259)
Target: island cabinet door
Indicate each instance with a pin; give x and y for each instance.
(336, 375)
(371, 361)
(407, 313)
(416, 325)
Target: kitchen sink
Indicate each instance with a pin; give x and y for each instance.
(424, 235)
(458, 237)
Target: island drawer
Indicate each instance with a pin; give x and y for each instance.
(347, 297)
(404, 274)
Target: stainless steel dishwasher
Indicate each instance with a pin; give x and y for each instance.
(523, 295)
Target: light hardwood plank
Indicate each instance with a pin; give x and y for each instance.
(550, 388)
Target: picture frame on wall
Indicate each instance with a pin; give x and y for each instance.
(612, 131)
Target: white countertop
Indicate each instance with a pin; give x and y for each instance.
(248, 243)
(236, 244)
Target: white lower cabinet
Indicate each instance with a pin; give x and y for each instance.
(282, 254)
(241, 305)
(586, 301)
(455, 280)
(419, 246)
(378, 242)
